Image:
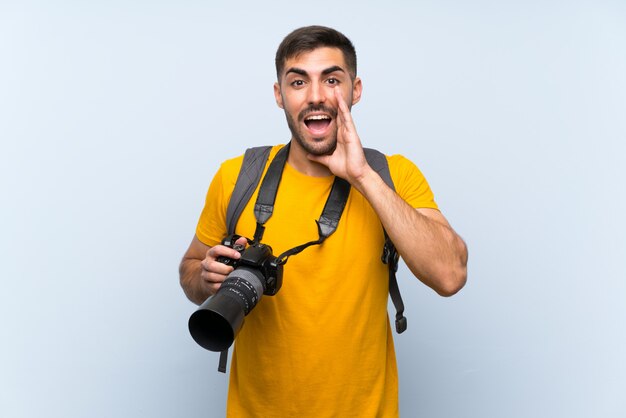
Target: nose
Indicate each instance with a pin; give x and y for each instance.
(316, 94)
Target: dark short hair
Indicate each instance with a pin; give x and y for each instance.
(307, 39)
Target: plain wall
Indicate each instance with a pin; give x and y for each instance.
(115, 115)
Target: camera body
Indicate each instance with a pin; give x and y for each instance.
(257, 272)
(257, 256)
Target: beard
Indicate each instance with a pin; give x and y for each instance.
(314, 146)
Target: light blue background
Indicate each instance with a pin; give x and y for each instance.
(115, 115)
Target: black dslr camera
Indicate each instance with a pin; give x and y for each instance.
(257, 272)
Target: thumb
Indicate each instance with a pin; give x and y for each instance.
(242, 241)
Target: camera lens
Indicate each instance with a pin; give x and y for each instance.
(245, 285)
(217, 321)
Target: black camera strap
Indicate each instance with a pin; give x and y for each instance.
(329, 219)
(264, 206)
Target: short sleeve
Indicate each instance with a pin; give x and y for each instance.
(211, 228)
(410, 183)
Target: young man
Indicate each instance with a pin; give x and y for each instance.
(322, 347)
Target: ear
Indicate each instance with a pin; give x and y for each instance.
(278, 96)
(357, 89)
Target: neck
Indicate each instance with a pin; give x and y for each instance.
(299, 161)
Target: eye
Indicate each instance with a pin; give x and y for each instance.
(297, 83)
(332, 81)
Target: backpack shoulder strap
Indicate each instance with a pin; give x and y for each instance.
(254, 161)
(378, 161)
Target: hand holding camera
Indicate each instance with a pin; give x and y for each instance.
(218, 262)
(234, 242)
(254, 273)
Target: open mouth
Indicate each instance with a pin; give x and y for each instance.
(317, 124)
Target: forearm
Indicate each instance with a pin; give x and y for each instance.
(429, 246)
(190, 280)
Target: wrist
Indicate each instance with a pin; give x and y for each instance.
(365, 180)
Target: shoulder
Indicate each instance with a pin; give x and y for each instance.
(410, 182)
(400, 162)
(402, 168)
(229, 169)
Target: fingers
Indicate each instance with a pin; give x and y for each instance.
(344, 118)
(214, 272)
(341, 102)
(224, 251)
(322, 159)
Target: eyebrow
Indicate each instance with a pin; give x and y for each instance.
(332, 70)
(326, 71)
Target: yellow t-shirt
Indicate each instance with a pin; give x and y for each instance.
(322, 346)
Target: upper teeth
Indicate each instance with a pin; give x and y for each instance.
(317, 117)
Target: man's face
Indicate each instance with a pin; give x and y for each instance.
(306, 93)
